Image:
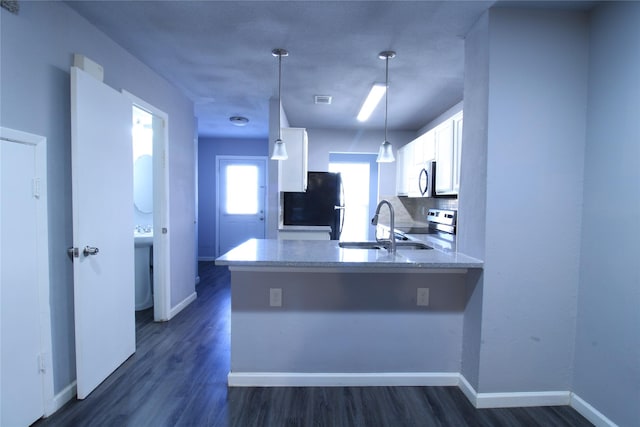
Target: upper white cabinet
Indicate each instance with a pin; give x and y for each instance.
(412, 158)
(423, 152)
(448, 142)
(442, 144)
(292, 173)
(403, 158)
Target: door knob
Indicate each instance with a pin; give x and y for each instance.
(90, 250)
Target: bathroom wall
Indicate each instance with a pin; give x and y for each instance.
(142, 169)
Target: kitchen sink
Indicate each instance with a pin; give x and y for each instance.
(378, 245)
(361, 245)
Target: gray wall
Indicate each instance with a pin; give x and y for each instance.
(607, 353)
(536, 132)
(37, 49)
(473, 187)
(326, 325)
(208, 149)
(523, 145)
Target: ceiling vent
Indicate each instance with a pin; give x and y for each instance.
(323, 99)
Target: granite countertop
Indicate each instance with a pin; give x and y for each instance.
(327, 254)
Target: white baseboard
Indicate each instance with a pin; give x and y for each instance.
(515, 399)
(590, 413)
(60, 399)
(522, 399)
(181, 305)
(468, 390)
(291, 379)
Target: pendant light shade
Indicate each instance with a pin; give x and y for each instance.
(385, 154)
(279, 149)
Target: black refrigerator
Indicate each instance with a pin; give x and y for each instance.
(321, 204)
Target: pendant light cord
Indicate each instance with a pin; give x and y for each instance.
(386, 97)
(279, 94)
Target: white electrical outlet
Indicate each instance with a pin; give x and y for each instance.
(275, 297)
(423, 296)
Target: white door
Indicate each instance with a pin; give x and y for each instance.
(22, 381)
(241, 194)
(102, 199)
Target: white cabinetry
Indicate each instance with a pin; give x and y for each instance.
(292, 173)
(403, 160)
(294, 232)
(412, 158)
(448, 141)
(442, 144)
(423, 152)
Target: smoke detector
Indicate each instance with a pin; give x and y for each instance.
(323, 99)
(238, 120)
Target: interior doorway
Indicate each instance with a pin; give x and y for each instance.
(359, 173)
(157, 202)
(26, 383)
(241, 194)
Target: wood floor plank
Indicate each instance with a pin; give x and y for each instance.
(178, 377)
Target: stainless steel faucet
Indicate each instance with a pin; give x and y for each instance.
(392, 233)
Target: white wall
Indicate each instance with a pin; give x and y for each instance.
(607, 355)
(37, 50)
(324, 141)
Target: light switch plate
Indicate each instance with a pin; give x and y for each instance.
(423, 297)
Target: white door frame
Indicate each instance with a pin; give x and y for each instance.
(41, 260)
(161, 235)
(266, 192)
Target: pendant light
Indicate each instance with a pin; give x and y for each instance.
(279, 149)
(385, 154)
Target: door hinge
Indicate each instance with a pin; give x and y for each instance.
(73, 253)
(42, 367)
(35, 187)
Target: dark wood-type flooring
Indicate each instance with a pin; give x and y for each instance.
(178, 377)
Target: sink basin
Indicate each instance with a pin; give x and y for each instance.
(142, 239)
(360, 245)
(377, 245)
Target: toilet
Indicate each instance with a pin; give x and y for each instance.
(143, 242)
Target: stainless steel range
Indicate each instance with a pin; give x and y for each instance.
(442, 220)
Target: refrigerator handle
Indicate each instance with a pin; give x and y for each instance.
(342, 203)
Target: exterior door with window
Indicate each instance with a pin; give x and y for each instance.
(241, 197)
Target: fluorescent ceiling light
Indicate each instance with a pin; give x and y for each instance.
(374, 97)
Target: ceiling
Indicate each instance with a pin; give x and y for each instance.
(219, 54)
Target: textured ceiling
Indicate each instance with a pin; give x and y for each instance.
(219, 54)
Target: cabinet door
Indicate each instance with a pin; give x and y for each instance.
(429, 146)
(402, 171)
(444, 158)
(457, 151)
(292, 173)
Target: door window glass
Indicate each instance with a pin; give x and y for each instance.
(242, 190)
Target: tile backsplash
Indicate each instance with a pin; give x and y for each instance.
(413, 210)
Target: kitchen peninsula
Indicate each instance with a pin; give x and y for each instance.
(313, 313)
